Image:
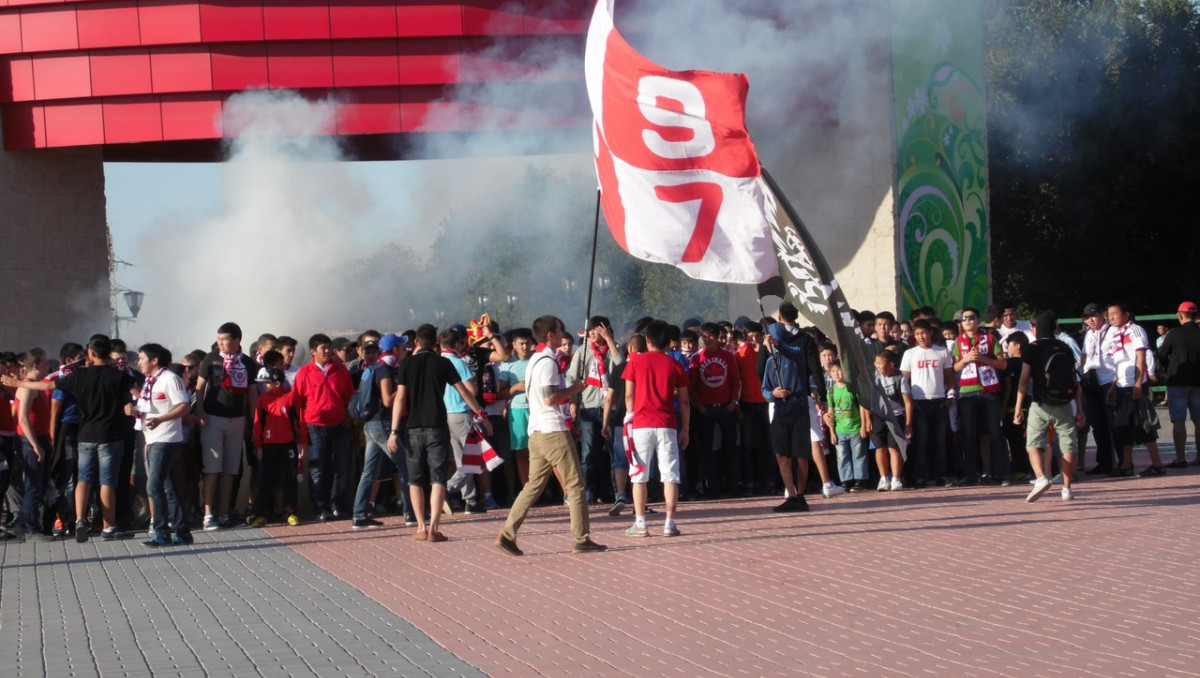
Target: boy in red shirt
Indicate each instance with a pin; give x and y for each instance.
(275, 440)
(321, 395)
(716, 387)
(655, 380)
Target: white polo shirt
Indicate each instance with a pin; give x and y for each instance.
(542, 372)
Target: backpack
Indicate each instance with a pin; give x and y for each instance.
(1058, 367)
(367, 400)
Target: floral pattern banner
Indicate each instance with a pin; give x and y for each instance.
(941, 160)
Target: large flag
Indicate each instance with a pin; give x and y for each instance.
(807, 281)
(679, 178)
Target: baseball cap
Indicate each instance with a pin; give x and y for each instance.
(391, 341)
(340, 342)
(1188, 307)
(370, 345)
(270, 374)
(1091, 309)
(460, 328)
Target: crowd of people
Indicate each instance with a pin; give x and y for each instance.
(107, 441)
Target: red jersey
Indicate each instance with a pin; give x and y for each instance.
(654, 378)
(715, 377)
(747, 359)
(273, 419)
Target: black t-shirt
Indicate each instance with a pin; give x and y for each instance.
(1035, 355)
(425, 376)
(616, 413)
(223, 400)
(102, 391)
(1181, 353)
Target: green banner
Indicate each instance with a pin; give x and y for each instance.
(941, 173)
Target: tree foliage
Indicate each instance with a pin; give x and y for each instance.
(1093, 150)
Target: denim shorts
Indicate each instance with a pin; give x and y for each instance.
(1183, 401)
(104, 458)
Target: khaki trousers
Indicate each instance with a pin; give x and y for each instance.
(549, 451)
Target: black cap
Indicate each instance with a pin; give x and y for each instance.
(340, 343)
(1092, 309)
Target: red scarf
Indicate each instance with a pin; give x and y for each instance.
(975, 374)
(598, 369)
(237, 378)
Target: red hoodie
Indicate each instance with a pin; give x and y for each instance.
(321, 397)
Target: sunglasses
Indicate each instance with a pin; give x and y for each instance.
(970, 317)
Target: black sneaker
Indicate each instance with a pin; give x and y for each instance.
(509, 546)
(227, 521)
(81, 531)
(113, 534)
(475, 508)
(182, 539)
(363, 523)
(324, 517)
(588, 546)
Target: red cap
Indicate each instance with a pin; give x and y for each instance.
(1188, 307)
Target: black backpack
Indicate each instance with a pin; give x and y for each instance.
(1058, 366)
(367, 400)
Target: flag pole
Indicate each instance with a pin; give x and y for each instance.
(592, 273)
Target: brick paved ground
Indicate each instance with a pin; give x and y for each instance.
(963, 582)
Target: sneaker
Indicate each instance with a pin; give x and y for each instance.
(157, 541)
(670, 531)
(210, 524)
(855, 486)
(831, 490)
(588, 546)
(616, 508)
(81, 531)
(293, 520)
(113, 533)
(226, 521)
(884, 485)
(897, 484)
(949, 482)
(476, 508)
(792, 505)
(1039, 488)
(489, 503)
(58, 528)
(508, 546)
(324, 516)
(635, 531)
(1067, 494)
(362, 523)
(260, 521)
(1057, 480)
(410, 519)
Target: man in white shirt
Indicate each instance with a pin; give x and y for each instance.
(929, 369)
(160, 409)
(1098, 376)
(1125, 348)
(550, 444)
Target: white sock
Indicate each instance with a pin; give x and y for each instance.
(669, 524)
(639, 521)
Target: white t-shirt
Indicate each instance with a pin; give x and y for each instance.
(543, 371)
(167, 392)
(1021, 326)
(926, 370)
(1095, 358)
(1121, 345)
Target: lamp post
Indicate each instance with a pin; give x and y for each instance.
(483, 300)
(133, 301)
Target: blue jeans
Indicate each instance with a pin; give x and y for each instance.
(376, 433)
(35, 481)
(594, 464)
(852, 459)
(160, 488)
(329, 468)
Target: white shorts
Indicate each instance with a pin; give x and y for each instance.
(649, 443)
(814, 420)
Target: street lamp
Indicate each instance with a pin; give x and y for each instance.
(511, 300)
(483, 300)
(569, 284)
(603, 281)
(133, 301)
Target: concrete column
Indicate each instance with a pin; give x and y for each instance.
(55, 284)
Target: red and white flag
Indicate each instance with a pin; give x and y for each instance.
(679, 177)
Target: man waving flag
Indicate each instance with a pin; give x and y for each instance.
(680, 184)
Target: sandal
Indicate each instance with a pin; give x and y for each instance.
(1153, 471)
(1178, 463)
(1121, 472)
